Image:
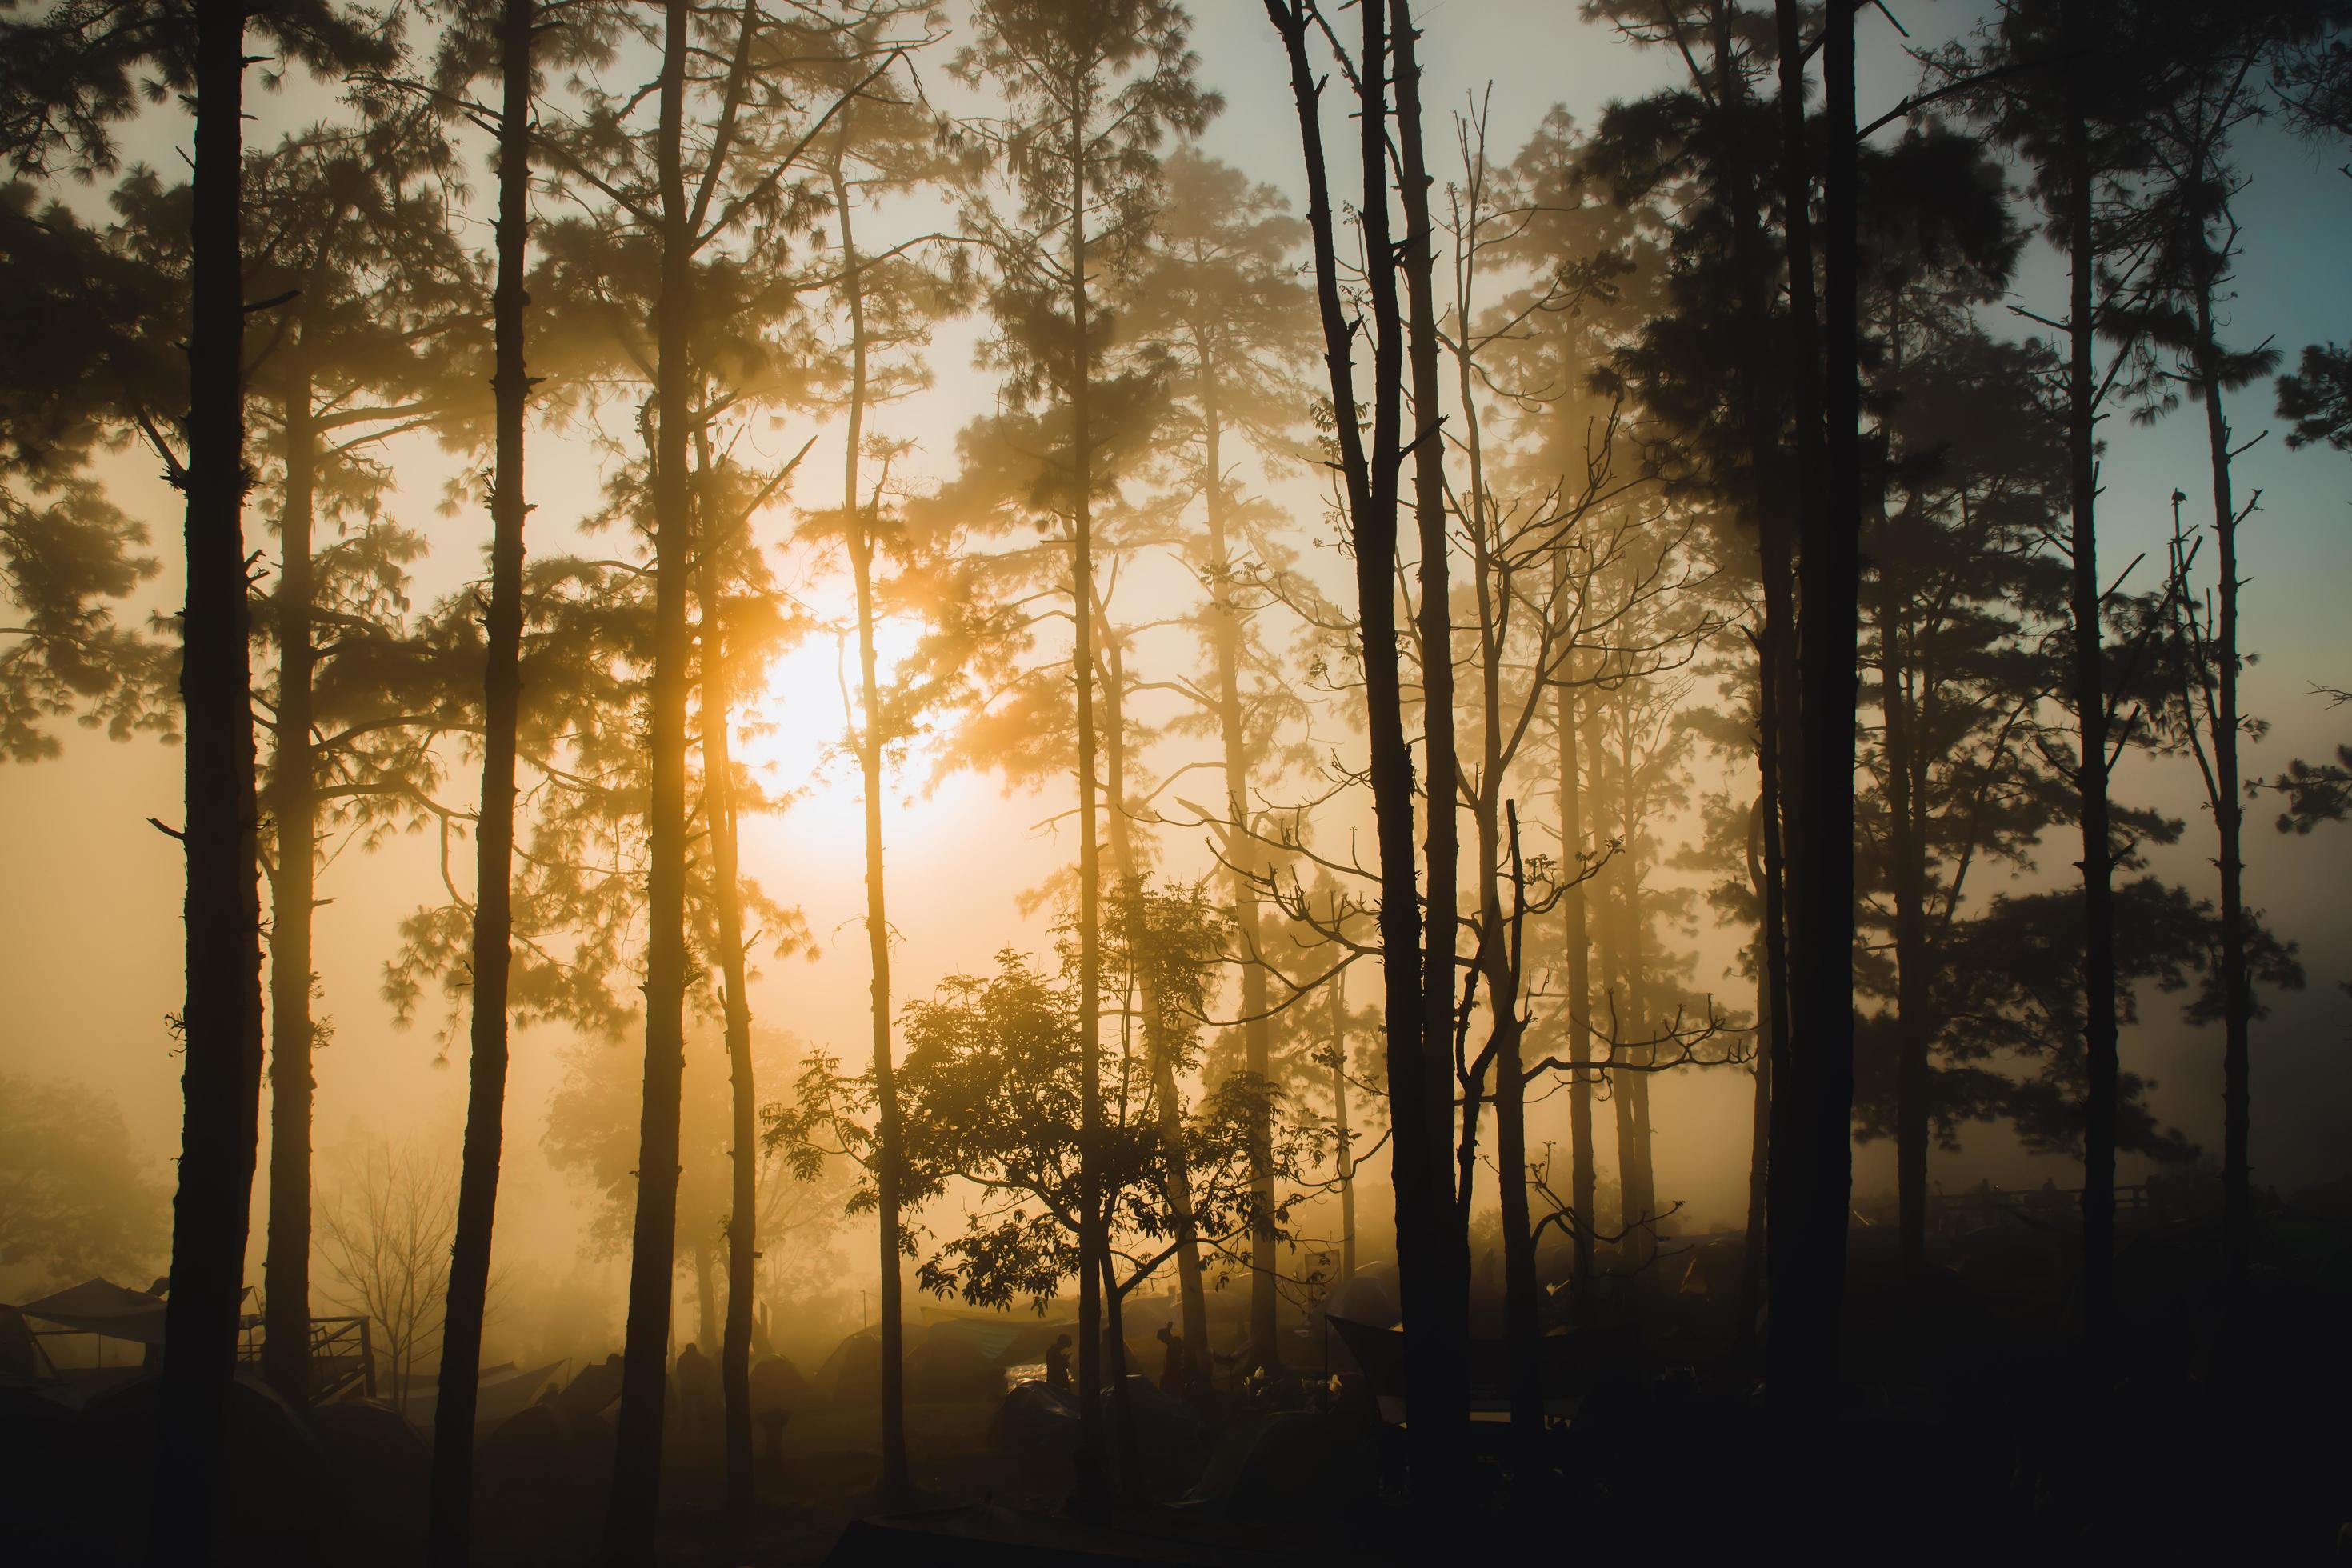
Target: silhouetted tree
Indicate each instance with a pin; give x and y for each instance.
(71, 76)
(75, 1206)
(1433, 1261)
(385, 1228)
(84, 359)
(348, 229)
(1090, 87)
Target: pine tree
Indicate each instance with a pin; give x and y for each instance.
(1091, 86)
(1218, 300)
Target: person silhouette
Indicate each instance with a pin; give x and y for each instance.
(1057, 1366)
(698, 1387)
(1175, 1370)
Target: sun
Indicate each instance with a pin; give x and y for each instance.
(794, 732)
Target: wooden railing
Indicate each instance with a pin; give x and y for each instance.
(342, 1355)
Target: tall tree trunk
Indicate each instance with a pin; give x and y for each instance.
(1448, 1306)
(1110, 664)
(718, 810)
(706, 1296)
(220, 1081)
(1522, 1293)
(294, 811)
(1582, 1171)
(1435, 1360)
(860, 526)
(2228, 814)
(1093, 1239)
(1633, 1092)
(1610, 941)
(1776, 1043)
(451, 1527)
(1790, 1272)
(1906, 853)
(1751, 1256)
(2100, 1031)
(1346, 1147)
(1225, 623)
(1132, 1487)
(1805, 1319)
(635, 1500)
(1119, 825)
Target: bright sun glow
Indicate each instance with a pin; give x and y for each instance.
(795, 732)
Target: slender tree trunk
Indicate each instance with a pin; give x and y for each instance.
(1131, 1487)
(1131, 908)
(1805, 1319)
(1522, 1293)
(294, 811)
(1906, 853)
(477, 1179)
(2229, 818)
(706, 1296)
(1225, 623)
(635, 1499)
(1345, 1150)
(1447, 1308)
(2100, 1031)
(1633, 1093)
(220, 1080)
(1093, 1239)
(860, 526)
(1776, 1044)
(1608, 940)
(1436, 1364)
(1751, 1270)
(1579, 940)
(1790, 1272)
(1135, 908)
(1786, 491)
(718, 810)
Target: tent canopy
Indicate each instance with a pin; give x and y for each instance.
(102, 1307)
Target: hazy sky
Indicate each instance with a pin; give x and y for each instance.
(93, 934)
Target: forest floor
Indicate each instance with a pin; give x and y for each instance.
(1972, 1425)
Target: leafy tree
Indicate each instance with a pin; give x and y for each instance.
(2318, 398)
(2311, 76)
(2315, 792)
(75, 1206)
(82, 363)
(990, 1092)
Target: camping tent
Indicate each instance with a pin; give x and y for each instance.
(102, 1307)
(777, 1385)
(953, 1366)
(852, 1374)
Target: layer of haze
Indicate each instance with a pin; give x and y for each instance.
(92, 933)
